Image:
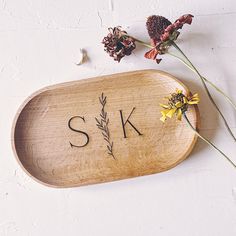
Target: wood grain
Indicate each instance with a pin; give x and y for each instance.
(46, 149)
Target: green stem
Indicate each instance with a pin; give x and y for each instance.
(140, 41)
(206, 140)
(143, 43)
(205, 87)
(208, 81)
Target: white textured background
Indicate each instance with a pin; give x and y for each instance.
(39, 46)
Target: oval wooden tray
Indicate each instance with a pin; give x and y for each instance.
(101, 129)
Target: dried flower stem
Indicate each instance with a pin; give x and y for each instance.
(141, 42)
(102, 124)
(205, 87)
(192, 69)
(189, 64)
(206, 140)
(206, 80)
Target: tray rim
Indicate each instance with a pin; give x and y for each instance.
(49, 87)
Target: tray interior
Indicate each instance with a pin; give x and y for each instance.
(57, 140)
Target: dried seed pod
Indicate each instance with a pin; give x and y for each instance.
(156, 26)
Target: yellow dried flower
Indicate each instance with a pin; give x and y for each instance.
(178, 104)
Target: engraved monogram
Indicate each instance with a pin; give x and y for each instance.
(102, 123)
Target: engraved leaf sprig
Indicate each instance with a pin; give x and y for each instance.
(102, 124)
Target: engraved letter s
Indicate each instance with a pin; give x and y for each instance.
(79, 131)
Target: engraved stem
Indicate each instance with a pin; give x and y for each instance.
(102, 124)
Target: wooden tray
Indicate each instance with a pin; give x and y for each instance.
(59, 143)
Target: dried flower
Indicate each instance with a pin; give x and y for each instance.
(163, 33)
(178, 104)
(118, 44)
(156, 25)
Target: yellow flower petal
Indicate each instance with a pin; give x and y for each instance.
(164, 106)
(178, 104)
(195, 95)
(195, 99)
(164, 112)
(163, 118)
(192, 102)
(185, 100)
(179, 114)
(171, 112)
(179, 91)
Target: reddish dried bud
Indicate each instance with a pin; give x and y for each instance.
(160, 29)
(118, 44)
(162, 33)
(156, 26)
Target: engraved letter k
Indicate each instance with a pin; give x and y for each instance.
(127, 121)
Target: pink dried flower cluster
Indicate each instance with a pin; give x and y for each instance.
(118, 44)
